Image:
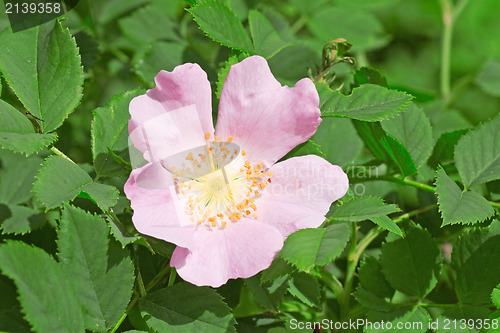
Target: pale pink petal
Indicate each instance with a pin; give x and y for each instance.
(168, 133)
(186, 85)
(301, 192)
(155, 212)
(240, 250)
(264, 118)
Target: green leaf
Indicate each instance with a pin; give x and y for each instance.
(475, 259)
(141, 27)
(495, 296)
(306, 148)
(307, 248)
(279, 267)
(370, 300)
(266, 39)
(359, 27)
(479, 165)
(158, 56)
(58, 181)
(366, 75)
(387, 224)
(42, 66)
(26, 143)
(121, 234)
(489, 78)
(368, 102)
(327, 135)
(384, 147)
(109, 131)
(457, 206)
(221, 24)
(372, 279)
(104, 196)
(44, 290)
(417, 316)
(460, 313)
(16, 219)
(17, 177)
(11, 318)
(187, 308)
(412, 264)
(93, 264)
(290, 64)
(362, 208)
(413, 129)
(113, 9)
(17, 132)
(445, 145)
(268, 294)
(306, 288)
(223, 72)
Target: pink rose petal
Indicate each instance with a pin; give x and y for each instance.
(169, 133)
(264, 118)
(155, 213)
(187, 85)
(240, 250)
(300, 194)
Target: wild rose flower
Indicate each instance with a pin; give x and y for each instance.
(219, 195)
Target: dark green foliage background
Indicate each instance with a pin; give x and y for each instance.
(410, 111)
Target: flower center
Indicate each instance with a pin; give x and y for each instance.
(216, 184)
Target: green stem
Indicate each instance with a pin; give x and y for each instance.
(61, 154)
(366, 241)
(437, 305)
(450, 14)
(458, 8)
(352, 263)
(111, 214)
(446, 39)
(495, 204)
(335, 285)
(161, 274)
(361, 59)
(299, 24)
(402, 181)
(353, 258)
(172, 276)
(408, 182)
(417, 211)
